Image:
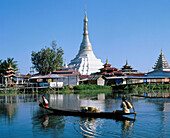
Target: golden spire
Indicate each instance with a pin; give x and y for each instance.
(85, 18)
(161, 52)
(10, 65)
(107, 61)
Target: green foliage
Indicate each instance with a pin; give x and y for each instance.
(66, 88)
(47, 59)
(90, 87)
(4, 65)
(166, 86)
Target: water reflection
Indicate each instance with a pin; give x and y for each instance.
(127, 128)
(48, 123)
(23, 110)
(18, 98)
(69, 101)
(45, 122)
(92, 127)
(8, 112)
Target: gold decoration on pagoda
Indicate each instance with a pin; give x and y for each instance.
(85, 18)
(161, 62)
(107, 61)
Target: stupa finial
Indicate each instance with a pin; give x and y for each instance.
(161, 52)
(10, 65)
(107, 61)
(85, 18)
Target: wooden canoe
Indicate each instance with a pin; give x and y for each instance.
(86, 114)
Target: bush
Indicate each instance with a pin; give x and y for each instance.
(90, 87)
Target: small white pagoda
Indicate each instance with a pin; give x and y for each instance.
(85, 61)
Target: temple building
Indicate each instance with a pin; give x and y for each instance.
(129, 71)
(109, 71)
(127, 68)
(9, 76)
(85, 61)
(161, 67)
(161, 63)
(71, 76)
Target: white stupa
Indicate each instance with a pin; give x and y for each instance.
(85, 61)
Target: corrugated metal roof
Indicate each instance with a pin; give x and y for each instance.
(94, 77)
(47, 76)
(133, 77)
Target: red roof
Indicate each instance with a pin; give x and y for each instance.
(66, 72)
(84, 76)
(107, 65)
(104, 73)
(9, 75)
(118, 71)
(108, 68)
(23, 76)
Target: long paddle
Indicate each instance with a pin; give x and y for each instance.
(132, 104)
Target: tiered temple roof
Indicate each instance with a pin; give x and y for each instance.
(127, 68)
(161, 67)
(161, 63)
(109, 71)
(129, 71)
(10, 72)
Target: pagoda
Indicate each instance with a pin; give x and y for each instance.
(161, 63)
(10, 73)
(161, 67)
(85, 61)
(109, 71)
(127, 69)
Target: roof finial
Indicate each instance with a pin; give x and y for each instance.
(126, 62)
(65, 64)
(107, 61)
(85, 18)
(10, 65)
(161, 52)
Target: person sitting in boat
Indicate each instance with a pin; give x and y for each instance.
(125, 105)
(44, 102)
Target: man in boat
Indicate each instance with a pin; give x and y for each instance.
(125, 105)
(44, 102)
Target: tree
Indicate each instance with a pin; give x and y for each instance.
(47, 59)
(4, 65)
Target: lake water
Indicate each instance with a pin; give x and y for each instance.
(20, 116)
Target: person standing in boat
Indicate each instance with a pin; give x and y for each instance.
(125, 105)
(44, 102)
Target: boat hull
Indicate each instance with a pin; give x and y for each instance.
(86, 114)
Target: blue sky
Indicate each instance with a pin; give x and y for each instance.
(135, 30)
